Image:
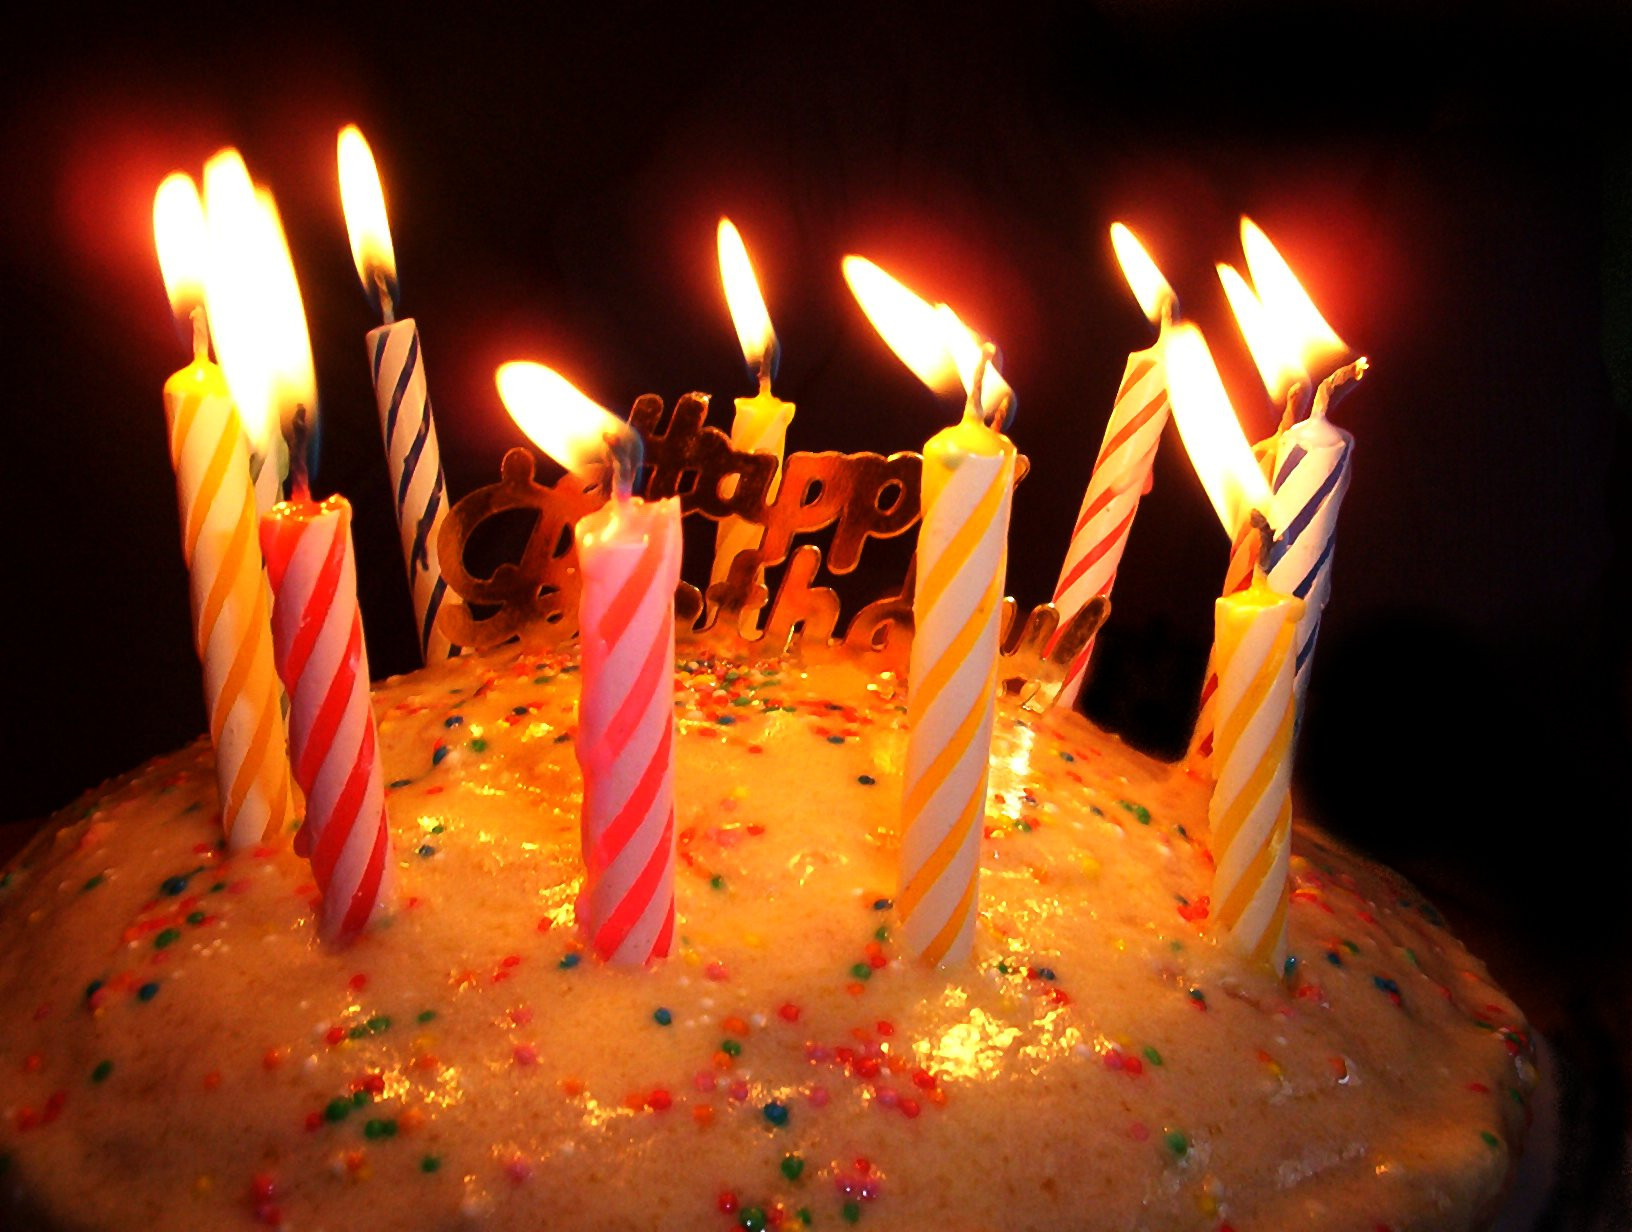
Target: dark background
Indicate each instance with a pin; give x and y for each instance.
(1449, 181)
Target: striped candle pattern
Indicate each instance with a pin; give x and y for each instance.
(416, 472)
(962, 551)
(318, 633)
(760, 426)
(629, 552)
(1250, 811)
(1121, 476)
(1310, 480)
(1237, 577)
(230, 623)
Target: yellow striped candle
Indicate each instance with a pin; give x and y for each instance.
(1250, 811)
(968, 476)
(761, 423)
(231, 626)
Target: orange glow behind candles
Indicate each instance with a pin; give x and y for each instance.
(968, 480)
(1122, 470)
(629, 555)
(761, 422)
(230, 622)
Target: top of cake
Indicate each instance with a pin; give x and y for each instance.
(180, 1049)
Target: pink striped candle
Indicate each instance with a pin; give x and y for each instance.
(1121, 473)
(629, 556)
(317, 632)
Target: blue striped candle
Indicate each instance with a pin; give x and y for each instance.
(417, 487)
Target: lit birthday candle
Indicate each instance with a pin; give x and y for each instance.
(230, 622)
(237, 217)
(1250, 809)
(398, 365)
(1311, 458)
(761, 422)
(317, 630)
(968, 478)
(1121, 473)
(629, 556)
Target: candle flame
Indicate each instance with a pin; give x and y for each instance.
(1229, 474)
(256, 313)
(1280, 362)
(1287, 306)
(560, 419)
(1148, 285)
(743, 298)
(178, 234)
(362, 200)
(933, 342)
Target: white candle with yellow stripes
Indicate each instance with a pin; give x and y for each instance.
(968, 477)
(761, 422)
(231, 625)
(1250, 811)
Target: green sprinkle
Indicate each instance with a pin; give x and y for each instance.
(851, 1211)
(1514, 1095)
(1490, 1139)
(792, 1167)
(569, 961)
(741, 701)
(805, 1216)
(438, 828)
(478, 745)
(360, 1097)
(377, 1129)
(1412, 955)
(94, 882)
(195, 918)
(1151, 1055)
(430, 1163)
(167, 938)
(1064, 756)
(1177, 1143)
(218, 887)
(380, 1022)
(337, 1110)
(662, 1017)
(1141, 814)
(357, 1032)
(751, 1218)
(426, 1015)
(102, 1070)
(731, 1048)
(716, 882)
(881, 933)
(861, 971)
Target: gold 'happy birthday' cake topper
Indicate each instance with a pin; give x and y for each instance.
(861, 496)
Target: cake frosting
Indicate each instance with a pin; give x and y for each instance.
(177, 1048)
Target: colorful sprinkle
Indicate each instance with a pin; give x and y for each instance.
(776, 1113)
(102, 1070)
(662, 1017)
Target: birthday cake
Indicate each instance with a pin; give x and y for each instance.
(178, 1048)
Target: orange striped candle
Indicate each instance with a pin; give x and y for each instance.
(230, 622)
(1250, 811)
(1122, 470)
(968, 476)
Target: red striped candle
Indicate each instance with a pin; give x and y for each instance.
(1121, 473)
(317, 632)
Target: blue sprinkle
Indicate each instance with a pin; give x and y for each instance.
(438, 754)
(174, 885)
(569, 961)
(776, 1113)
(1068, 756)
(662, 1016)
(518, 709)
(453, 720)
(90, 989)
(396, 783)
(1333, 957)
(563, 737)
(427, 850)
(1046, 973)
(882, 904)
(835, 739)
(725, 720)
(147, 992)
(1386, 984)
(866, 780)
(1290, 966)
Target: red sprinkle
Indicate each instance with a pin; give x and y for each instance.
(788, 1012)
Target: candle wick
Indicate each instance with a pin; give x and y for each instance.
(626, 453)
(300, 430)
(1168, 311)
(388, 306)
(1264, 556)
(972, 407)
(1338, 386)
(1297, 403)
(765, 377)
(201, 334)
